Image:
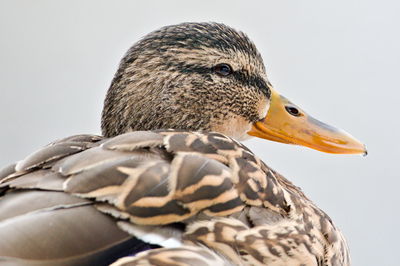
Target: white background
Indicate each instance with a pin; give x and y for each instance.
(339, 60)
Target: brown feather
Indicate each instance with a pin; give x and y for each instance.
(194, 187)
(83, 199)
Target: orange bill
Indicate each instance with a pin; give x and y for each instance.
(287, 123)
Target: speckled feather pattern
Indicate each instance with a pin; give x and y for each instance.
(235, 208)
(168, 76)
(89, 200)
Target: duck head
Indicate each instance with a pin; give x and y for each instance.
(209, 77)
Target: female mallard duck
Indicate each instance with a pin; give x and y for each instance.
(178, 189)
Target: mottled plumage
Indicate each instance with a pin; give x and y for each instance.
(180, 196)
(169, 77)
(164, 177)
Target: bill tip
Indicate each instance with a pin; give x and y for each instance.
(365, 151)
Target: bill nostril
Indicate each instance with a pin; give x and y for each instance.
(293, 110)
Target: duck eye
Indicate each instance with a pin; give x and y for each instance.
(293, 110)
(223, 69)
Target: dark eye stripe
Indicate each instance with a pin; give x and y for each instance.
(252, 80)
(241, 77)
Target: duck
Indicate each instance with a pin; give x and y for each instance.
(169, 182)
